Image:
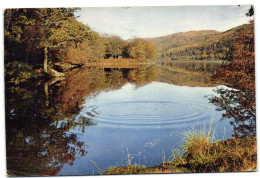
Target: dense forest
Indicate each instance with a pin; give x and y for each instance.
(39, 38)
(199, 45)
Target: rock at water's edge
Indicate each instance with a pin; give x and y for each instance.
(55, 73)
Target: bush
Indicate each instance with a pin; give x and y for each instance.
(17, 72)
(204, 154)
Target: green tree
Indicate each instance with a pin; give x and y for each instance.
(48, 26)
(15, 21)
(53, 21)
(113, 46)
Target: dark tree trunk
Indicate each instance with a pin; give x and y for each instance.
(45, 65)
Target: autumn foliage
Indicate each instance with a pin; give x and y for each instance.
(44, 36)
(141, 49)
(240, 72)
(239, 102)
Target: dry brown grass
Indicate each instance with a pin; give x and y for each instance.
(203, 154)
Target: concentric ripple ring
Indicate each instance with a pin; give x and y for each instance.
(146, 113)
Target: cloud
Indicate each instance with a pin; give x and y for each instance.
(160, 21)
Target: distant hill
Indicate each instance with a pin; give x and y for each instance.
(181, 39)
(197, 45)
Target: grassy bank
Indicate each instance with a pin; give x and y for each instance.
(201, 154)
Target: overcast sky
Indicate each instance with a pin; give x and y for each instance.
(159, 21)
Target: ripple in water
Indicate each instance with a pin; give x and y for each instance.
(147, 114)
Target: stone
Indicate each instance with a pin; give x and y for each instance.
(55, 73)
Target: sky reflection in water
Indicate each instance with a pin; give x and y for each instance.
(109, 116)
(142, 124)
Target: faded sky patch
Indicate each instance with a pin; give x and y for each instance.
(159, 21)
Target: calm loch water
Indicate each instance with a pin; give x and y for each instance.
(98, 118)
(141, 124)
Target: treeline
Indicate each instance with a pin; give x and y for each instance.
(194, 66)
(43, 36)
(220, 50)
(200, 45)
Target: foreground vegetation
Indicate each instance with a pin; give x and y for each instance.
(202, 155)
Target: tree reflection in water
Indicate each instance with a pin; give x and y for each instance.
(240, 107)
(91, 81)
(34, 145)
(39, 117)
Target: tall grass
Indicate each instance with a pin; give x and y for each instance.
(199, 139)
(100, 171)
(202, 152)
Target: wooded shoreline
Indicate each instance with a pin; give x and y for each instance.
(45, 44)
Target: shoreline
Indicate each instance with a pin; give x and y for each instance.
(230, 155)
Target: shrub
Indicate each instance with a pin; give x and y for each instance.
(17, 72)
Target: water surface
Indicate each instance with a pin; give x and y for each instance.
(142, 124)
(103, 117)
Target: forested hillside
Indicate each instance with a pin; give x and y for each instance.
(37, 39)
(198, 45)
(181, 39)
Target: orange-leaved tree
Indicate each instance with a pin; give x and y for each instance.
(238, 102)
(240, 72)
